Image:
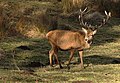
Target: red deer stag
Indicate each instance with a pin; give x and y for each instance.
(72, 40)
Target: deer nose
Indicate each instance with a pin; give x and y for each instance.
(86, 39)
(89, 41)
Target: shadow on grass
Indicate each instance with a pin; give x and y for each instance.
(96, 59)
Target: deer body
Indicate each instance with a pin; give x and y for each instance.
(66, 40)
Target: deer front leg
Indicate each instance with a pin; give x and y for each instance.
(81, 59)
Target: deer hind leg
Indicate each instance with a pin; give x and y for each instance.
(56, 56)
(71, 56)
(51, 52)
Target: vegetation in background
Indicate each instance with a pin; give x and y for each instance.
(19, 19)
(32, 18)
(93, 5)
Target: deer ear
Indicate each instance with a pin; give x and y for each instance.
(94, 32)
(85, 30)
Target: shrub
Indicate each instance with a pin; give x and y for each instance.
(28, 21)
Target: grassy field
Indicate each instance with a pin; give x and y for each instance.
(31, 64)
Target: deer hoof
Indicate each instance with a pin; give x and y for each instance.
(61, 67)
(81, 66)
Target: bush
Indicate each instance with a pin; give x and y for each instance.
(18, 20)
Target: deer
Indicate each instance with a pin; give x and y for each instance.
(73, 40)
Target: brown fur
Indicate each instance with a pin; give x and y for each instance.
(67, 40)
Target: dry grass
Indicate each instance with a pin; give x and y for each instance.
(19, 19)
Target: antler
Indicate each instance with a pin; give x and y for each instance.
(81, 18)
(108, 15)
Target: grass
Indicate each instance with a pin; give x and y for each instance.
(101, 61)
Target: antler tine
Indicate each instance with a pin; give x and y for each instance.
(80, 10)
(106, 12)
(81, 17)
(90, 25)
(85, 23)
(84, 9)
(108, 15)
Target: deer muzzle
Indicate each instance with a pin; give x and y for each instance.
(88, 43)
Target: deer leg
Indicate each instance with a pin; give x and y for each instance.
(56, 56)
(51, 52)
(71, 56)
(81, 59)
